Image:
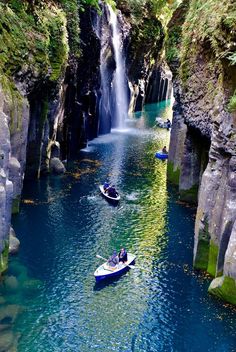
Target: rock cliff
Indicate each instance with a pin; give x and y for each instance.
(201, 51)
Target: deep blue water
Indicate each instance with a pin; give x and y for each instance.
(64, 222)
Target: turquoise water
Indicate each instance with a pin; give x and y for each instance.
(50, 289)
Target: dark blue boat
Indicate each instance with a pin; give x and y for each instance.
(109, 198)
(104, 271)
(161, 155)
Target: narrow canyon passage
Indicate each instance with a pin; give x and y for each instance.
(64, 222)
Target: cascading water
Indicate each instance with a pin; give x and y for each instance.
(119, 79)
(113, 106)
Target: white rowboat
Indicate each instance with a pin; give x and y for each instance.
(105, 271)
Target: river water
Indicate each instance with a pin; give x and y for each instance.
(64, 222)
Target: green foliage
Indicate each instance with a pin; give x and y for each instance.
(161, 9)
(207, 26)
(174, 34)
(211, 22)
(4, 258)
(71, 9)
(232, 103)
(172, 43)
(33, 42)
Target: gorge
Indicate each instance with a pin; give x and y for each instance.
(69, 74)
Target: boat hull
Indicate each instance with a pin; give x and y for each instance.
(103, 272)
(161, 156)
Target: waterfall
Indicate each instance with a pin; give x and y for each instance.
(119, 84)
(113, 102)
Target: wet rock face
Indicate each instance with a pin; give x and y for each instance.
(6, 186)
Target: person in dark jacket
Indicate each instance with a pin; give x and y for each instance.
(168, 124)
(106, 186)
(112, 192)
(123, 257)
(164, 150)
(113, 260)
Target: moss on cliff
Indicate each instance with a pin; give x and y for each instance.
(71, 9)
(4, 258)
(232, 103)
(174, 33)
(210, 25)
(212, 260)
(172, 173)
(189, 195)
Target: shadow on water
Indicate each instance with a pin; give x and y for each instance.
(112, 281)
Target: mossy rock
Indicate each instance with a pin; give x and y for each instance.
(189, 195)
(4, 259)
(224, 287)
(173, 174)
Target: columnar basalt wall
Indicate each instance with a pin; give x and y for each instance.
(6, 186)
(43, 138)
(204, 168)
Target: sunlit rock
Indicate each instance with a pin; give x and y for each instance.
(14, 243)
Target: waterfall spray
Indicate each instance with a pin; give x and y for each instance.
(119, 86)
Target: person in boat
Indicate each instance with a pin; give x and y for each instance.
(113, 260)
(112, 192)
(164, 150)
(123, 257)
(168, 124)
(106, 186)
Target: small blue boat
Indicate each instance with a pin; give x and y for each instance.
(161, 155)
(109, 198)
(104, 271)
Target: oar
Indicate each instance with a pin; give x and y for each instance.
(100, 257)
(130, 266)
